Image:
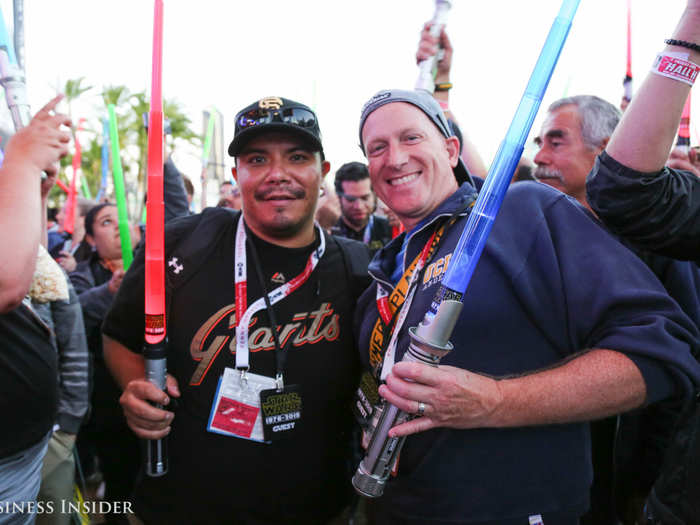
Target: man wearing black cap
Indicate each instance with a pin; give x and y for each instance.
(555, 331)
(261, 350)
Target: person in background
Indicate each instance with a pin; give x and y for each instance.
(627, 452)
(73, 249)
(189, 189)
(64, 317)
(657, 208)
(358, 204)
(229, 196)
(328, 210)
(96, 281)
(429, 46)
(28, 361)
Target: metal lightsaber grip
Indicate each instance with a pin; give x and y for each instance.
(13, 82)
(428, 345)
(426, 78)
(156, 449)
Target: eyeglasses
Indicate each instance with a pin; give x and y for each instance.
(296, 116)
(352, 198)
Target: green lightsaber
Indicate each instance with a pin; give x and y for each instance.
(124, 235)
(85, 188)
(207, 140)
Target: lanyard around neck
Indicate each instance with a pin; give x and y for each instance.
(367, 235)
(383, 299)
(244, 313)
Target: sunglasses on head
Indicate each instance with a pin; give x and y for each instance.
(297, 116)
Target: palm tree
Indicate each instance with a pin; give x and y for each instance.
(115, 94)
(72, 90)
(179, 123)
(140, 106)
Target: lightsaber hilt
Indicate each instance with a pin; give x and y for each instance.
(627, 86)
(13, 82)
(429, 344)
(156, 449)
(683, 141)
(426, 68)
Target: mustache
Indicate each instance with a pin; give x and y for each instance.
(544, 173)
(285, 190)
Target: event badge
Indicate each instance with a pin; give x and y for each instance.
(366, 398)
(236, 409)
(281, 412)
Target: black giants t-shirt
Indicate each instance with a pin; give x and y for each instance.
(28, 380)
(221, 479)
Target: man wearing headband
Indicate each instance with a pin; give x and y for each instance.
(557, 329)
(261, 349)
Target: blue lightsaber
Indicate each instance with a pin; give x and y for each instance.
(480, 221)
(105, 159)
(430, 339)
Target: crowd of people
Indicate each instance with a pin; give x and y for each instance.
(572, 390)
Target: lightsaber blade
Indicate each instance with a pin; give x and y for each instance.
(207, 139)
(77, 163)
(154, 351)
(119, 192)
(72, 199)
(430, 339)
(105, 159)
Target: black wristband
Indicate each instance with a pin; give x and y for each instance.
(443, 86)
(682, 43)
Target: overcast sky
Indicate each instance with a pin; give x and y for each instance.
(333, 55)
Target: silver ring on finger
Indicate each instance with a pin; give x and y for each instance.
(421, 409)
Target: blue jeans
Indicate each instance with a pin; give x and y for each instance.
(20, 477)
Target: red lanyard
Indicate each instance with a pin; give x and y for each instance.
(245, 314)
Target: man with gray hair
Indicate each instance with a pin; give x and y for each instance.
(574, 132)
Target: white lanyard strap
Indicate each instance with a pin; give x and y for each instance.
(390, 354)
(245, 314)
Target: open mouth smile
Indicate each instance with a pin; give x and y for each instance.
(405, 179)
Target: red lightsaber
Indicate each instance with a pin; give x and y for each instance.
(62, 185)
(72, 200)
(154, 351)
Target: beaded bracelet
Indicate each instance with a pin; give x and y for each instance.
(682, 43)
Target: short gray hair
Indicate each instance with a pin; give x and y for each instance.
(598, 117)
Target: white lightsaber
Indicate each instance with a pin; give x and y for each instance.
(426, 68)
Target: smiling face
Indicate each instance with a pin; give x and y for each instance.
(105, 234)
(279, 179)
(410, 162)
(564, 160)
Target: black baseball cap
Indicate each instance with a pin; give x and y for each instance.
(428, 105)
(275, 113)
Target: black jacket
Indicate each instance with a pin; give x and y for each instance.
(659, 212)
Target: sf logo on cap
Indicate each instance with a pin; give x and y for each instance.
(270, 103)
